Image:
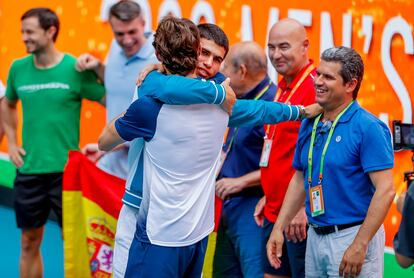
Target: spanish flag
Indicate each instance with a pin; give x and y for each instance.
(91, 203)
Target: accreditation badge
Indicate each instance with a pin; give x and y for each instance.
(222, 158)
(316, 200)
(264, 158)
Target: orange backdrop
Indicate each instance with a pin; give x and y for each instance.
(380, 30)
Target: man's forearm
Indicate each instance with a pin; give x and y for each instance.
(10, 121)
(293, 202)
(100, 71)
(251, 179)
(260, 112)
(109, 137)
(197, 91)
(377, 211)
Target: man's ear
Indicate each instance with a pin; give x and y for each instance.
(243, 71)
(306, 44)
(51, 32)
(158, 56)
(351, 85)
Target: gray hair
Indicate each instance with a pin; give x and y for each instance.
(125, 10)
(351, 62)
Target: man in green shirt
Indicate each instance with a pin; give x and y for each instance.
(51, 92)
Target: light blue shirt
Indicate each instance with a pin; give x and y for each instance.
(120, 75)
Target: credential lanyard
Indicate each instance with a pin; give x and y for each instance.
(325, 148)
(259, 95)
(279, 92)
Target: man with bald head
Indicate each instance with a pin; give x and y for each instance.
(288, 52)
(238, 183)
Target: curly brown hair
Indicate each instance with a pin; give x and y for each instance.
(177, 42)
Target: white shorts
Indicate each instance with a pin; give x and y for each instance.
(324, 253)
(125, 231)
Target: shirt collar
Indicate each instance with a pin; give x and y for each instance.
(282, 84)
(350, 112)
(256, 90)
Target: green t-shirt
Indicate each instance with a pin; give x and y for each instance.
(51, 103)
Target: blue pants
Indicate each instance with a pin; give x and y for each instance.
(238, 249)
(293, 256)
(148, 260)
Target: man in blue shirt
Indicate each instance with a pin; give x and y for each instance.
(238, 183)
(343, 163)
(130, 52)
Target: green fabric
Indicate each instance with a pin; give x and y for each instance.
(51, 102)
(7, 172)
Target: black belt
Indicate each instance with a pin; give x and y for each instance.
(255, 191)
(326, 230)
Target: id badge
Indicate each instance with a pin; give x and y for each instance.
(264, 158)
(316, 200)
(222, 158)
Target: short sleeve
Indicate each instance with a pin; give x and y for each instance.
(376, 149)
(91, 87)
(302, 137)
(139, 121)
(2, 89)
(11, 92)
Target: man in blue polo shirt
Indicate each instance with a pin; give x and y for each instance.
(343, 163)
(238, 183)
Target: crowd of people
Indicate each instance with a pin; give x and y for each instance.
(304, 172)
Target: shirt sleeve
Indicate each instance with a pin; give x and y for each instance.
(139, 121)
(297, 162)
(2, 89)
(11, 92)
(404, 239)
(91, 87)
(164, 88)
(376, 149)
(260, 112)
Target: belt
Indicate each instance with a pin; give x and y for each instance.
(326, 230)
(255, 191)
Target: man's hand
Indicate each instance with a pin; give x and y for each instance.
(92, 152)
(313, 110)
(230, 100)
(87, 62)
(16, 153)
(274, 247)
(227, 186)
(258, 212)
(145, 71)
(353, 260)
(296, 231)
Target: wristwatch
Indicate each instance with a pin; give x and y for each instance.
(302, 112)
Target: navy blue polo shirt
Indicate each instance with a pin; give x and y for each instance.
(244, 154)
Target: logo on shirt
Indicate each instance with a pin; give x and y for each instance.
(45, 86)
(338, 138)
